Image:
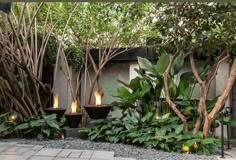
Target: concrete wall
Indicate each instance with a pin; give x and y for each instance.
(110, 74)
(61, 86)
(221, 78)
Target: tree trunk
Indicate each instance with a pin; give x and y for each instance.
(167, 95)
(221, 100)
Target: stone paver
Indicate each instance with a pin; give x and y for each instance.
(103, 155)
(122, 158)
(75, 154)
(50, 152)
(14, 151)
(40, 158)
(86, 154)
(11, 157)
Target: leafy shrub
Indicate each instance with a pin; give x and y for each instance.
(45, 127)
(73, 54)
(165, 133)
(34, 127)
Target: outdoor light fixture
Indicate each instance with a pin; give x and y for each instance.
(98, 110)
(56, 109)
(74, 117)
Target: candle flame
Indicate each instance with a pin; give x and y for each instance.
(74, 106)
(55, 101)
(98, 98)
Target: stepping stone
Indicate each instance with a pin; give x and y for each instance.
(12, 157)
(25, 145)
(124, 158)
(75, 154)
(40, 158)
(86, 154)
(37, 147)
(104, 155)
(50, 152)
(3, 148)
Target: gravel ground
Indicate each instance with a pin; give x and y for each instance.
(121, 150)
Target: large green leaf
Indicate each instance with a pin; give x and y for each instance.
(173, 89)
(145, 64)
(178, 64)
(208, 141)
(191, 142)
(50, 117)
(162, 63)
(37, 123)
(134, 83)
(53, 125)
(184, 88)
(145, 89)
(4, 114)
(47, 132)
(4, 127)
(147, 117)
(179, 129)
(22, 126)
(188, 76)
(123, 92)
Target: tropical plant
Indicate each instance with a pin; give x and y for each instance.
(40, 128)
(165, 133)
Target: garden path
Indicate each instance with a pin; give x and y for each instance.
(15, 151)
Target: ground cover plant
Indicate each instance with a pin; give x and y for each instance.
(45, 127)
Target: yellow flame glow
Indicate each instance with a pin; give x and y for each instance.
(74, 106)
(98, 98)
(55, 101)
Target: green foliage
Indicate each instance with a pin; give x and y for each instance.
(73, 54)
(45, 127)
(165, 133)
(6, 124)
(34, 127)
(146, 90)
(205, 28)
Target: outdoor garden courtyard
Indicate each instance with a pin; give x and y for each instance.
(117, 81)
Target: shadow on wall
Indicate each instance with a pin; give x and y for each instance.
(5, 7)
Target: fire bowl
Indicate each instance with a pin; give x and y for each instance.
(73, 119)
(58, 111)
(98, 111)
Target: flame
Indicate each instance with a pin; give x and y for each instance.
(98, 98)
(74, 106)
(55, 101)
